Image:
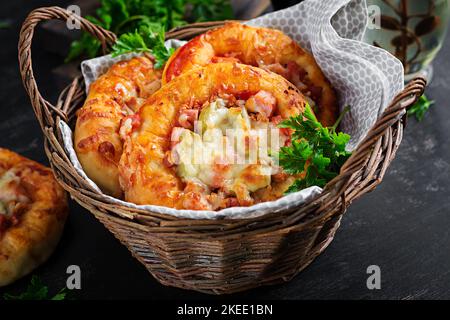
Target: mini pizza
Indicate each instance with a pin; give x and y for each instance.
(191, 147)
(33, 210)
(114, 96)
(264, 48)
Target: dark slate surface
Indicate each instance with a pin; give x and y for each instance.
(403, 226)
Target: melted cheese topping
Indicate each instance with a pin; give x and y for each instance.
(10, 192)
(227, 152)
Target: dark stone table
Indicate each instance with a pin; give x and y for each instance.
(403, 226)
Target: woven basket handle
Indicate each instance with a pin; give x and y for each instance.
(42, 107)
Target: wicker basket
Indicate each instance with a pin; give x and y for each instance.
(215, 256)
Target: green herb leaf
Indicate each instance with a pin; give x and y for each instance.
(149, 38)
(420, 108)
(210, 10)
(130, 42)
(316, 150)
(127, 16)
(5, 24)
(161, 54)
(61, 295)
(87, 44)
(36, 290)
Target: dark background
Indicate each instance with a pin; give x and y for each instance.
(403, 226)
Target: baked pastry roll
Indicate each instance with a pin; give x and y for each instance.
(111, 103)
(194, 139)
(265, 48)
(33, 210)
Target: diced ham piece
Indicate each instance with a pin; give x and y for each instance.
(129, 124)
(231, 202)
(277, 119)
(130, 104)
(291, 71)
(285, 133)
(263, 103)
(187, 118)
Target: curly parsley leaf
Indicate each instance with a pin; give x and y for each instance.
(149, 38)
(36, 290)
(420, 108)
(130, 42)
(161, 54)
(316, 151)
(127, 16)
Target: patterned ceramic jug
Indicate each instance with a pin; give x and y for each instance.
(412, 30)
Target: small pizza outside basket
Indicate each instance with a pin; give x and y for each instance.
(214, 256)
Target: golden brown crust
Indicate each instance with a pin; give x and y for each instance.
(112, 97)
(143, 175)
(31, 240)
(266, 48)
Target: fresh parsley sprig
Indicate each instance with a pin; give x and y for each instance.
(420, 108)
(316, 150)
(36, 290)
(149, 38)
(132, 17)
